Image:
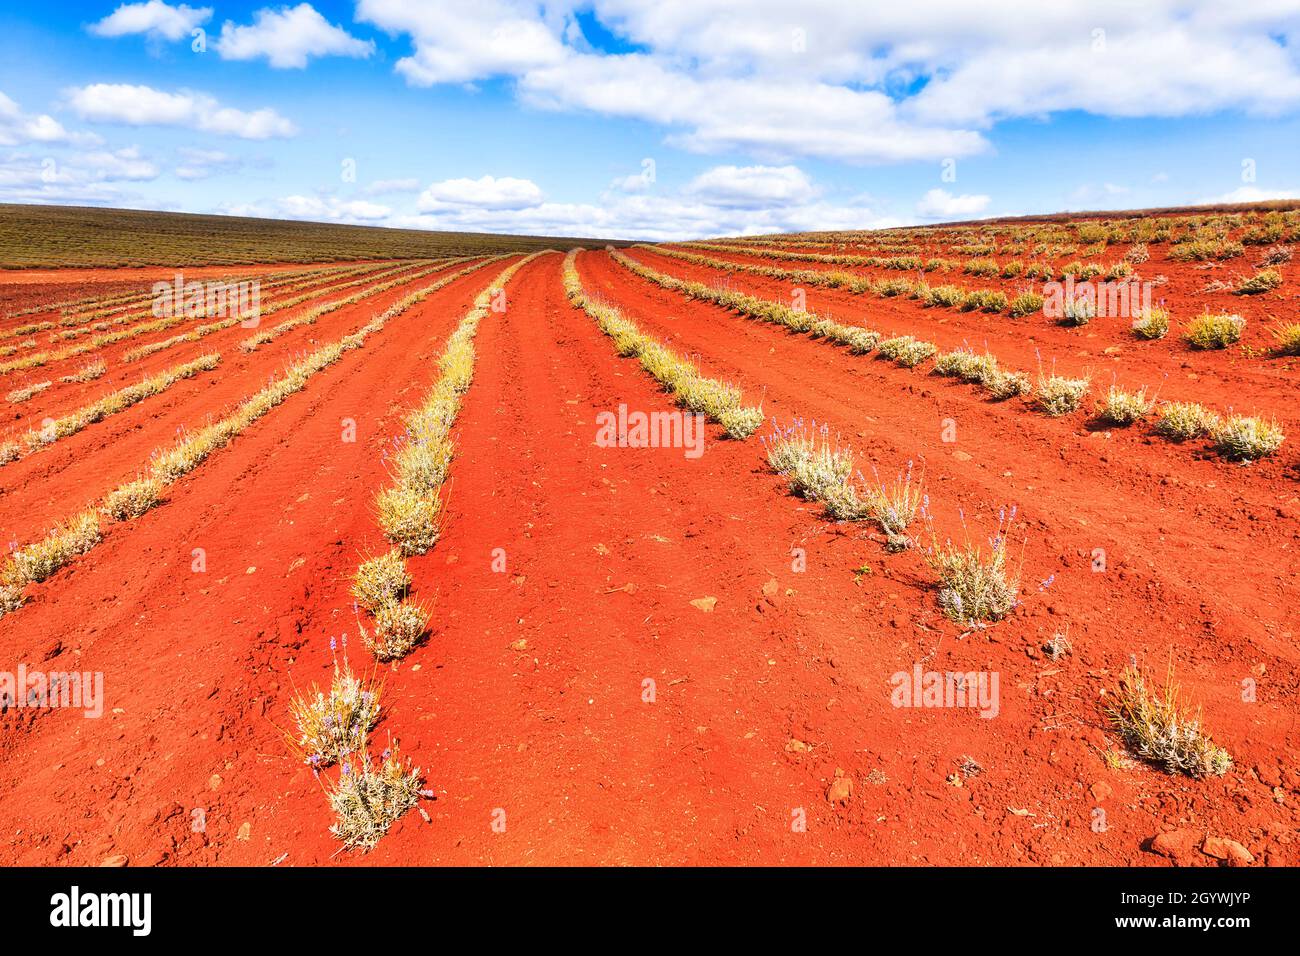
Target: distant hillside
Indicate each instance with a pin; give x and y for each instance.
(34, 236)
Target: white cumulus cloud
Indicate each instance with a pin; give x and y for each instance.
(858, 83)
(1252, 194)
(941, 204)
(145, 106)
(288, 37)
(154, 19)
(18, 127)
(752, 187)
(487, 192)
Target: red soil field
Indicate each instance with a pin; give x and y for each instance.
(637, 656)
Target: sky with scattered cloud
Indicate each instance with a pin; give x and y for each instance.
(655, 120)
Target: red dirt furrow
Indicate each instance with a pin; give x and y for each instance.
(1159, 540)
(144, 276)
(1263, 485)
(112, 353)
(528, 698)
(199, 666)
(17, 296)
(1136, 362)
(1215, 489)
(44, 487)
(604, 549)
(1184, 279)
(62, 398)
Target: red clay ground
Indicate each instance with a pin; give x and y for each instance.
(760, 704)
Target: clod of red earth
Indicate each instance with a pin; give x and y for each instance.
(1101, 791)
(1230, 852)
(841, 788)
(1181, 846)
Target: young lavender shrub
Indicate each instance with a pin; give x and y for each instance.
(816, 469)
(976, 587)
(36, 562)
(888, 288)
(1214, 331)
(1079, 311)
(1266, 280)
(1182, 421)
(28, 392)
(906, 351)
(1156, 727)
(1288, 339)
(399, 626)
(381, 581)
(1003, 384)
(87, 373)
(985, 300)
(843, 503)
(1275, 256)
(1246, 439)
(895, 507)
(1120, 270)
(740, 421)
(1137, 253)
(981, 267)
(368, 799)
(809, 461)
(965, 364)
(1026, 303)
(1125, 408)
(133, 499)
(949, 296)
(409, 518)
(859, 341)
(1152, 324)
(334, 727)
(1058, 395)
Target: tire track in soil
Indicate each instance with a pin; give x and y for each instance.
(202, 666)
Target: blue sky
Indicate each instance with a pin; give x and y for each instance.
(656, 120)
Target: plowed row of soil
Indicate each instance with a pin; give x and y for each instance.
(325, 288)
(201, 662)
(25, 288)
(1182, 295)
(38, 490)
(1104, 349)
(575, 706)
(63, 397)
